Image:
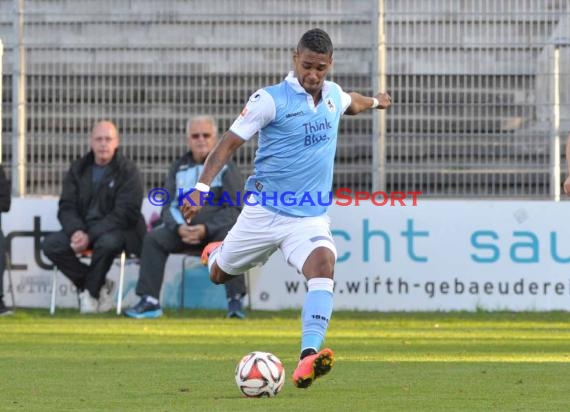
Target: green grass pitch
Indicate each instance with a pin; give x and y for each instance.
(384, 362)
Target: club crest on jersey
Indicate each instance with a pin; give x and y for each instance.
(330, 105)
(255, 97)
(259, 186)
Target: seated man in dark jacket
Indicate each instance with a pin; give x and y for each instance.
(5, 200)
(99, 210)
(173, 235)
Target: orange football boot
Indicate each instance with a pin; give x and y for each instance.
(312, 367)
(210, 247)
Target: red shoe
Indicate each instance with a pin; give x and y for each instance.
(312, 367)
(207, 251)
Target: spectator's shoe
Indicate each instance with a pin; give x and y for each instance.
(4, 310)
(235, 309)
(312, 367)
(107, 296)
(144, 310)
(210, 247)
(87, 303)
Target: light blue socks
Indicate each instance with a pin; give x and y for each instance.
(317, 311)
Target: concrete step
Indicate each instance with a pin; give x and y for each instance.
(175, 8)
(470, 7)
(128, 85)
(258, 59)
(265, 8)
(435, 147)
(485, 147)
(508, 180)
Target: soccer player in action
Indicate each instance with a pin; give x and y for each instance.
(297, 121)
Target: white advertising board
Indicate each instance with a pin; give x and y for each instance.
(439, 255)
(24, 227)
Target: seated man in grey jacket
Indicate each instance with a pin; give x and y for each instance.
(173, 235)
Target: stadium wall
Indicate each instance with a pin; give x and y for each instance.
(471, 83)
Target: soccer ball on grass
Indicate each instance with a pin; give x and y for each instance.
(260, 374)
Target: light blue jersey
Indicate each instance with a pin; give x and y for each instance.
(297, 143)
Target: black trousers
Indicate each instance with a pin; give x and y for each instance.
(2, 262)
(157, 245)
(56, 247)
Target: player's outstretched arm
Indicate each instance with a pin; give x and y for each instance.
(361, 103)
(567, 181)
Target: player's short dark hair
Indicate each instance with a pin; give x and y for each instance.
(316, 40)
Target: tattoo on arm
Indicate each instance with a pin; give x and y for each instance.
(219, 157)
(213, 165)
